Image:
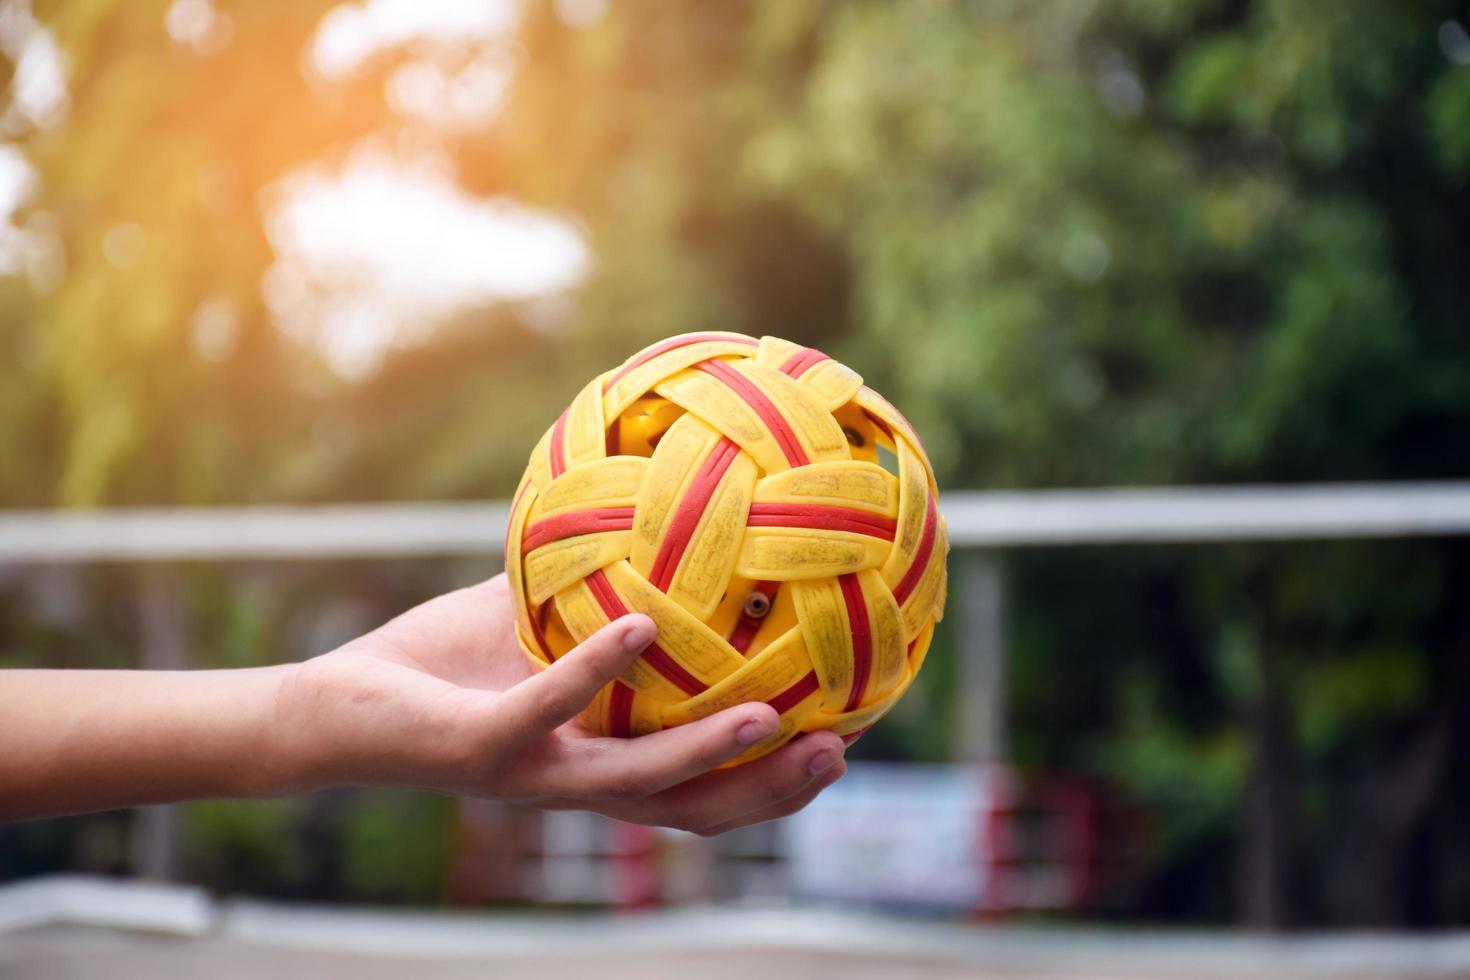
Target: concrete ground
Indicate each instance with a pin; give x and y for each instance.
(65, 929)
(83, 953)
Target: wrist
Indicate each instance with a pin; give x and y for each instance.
(344, 719)
(300, 755)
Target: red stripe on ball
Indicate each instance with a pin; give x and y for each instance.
(751, 394)
(911, 578)
(657, 657)
(862, 637)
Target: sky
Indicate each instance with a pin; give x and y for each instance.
(372, 255)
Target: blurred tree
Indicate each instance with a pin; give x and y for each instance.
(149, 190)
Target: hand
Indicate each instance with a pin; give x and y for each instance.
(442, 698)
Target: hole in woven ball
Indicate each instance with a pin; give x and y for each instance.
(641, 427)
(888, 459)
(854, 436)
(757, 604)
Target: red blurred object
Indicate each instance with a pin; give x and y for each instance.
(980, 839)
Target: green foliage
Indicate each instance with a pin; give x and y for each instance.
(375, 846)
(1447, 108)
(250, 845)
(396, 847)
(1356, 693)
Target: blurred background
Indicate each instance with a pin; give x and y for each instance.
(309, 252)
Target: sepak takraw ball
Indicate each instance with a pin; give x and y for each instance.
(775, 517)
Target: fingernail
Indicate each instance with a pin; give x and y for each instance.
(823, 761)
(755, 730)
(639, 635)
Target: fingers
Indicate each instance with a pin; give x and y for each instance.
(771, 786)
(635, 768)
(665, 778)
(550, 699)
(786, 807)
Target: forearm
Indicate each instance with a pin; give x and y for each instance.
(77, 740)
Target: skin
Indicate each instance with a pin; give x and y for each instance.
(440, 698)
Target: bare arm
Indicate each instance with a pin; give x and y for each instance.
(439, 699)
(94, 739)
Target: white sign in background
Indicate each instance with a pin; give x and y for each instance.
(898, 834)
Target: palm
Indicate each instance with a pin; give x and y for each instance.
(465, 639)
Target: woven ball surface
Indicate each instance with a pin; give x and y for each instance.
(776, 518)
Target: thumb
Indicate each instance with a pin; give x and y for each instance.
(550, 699)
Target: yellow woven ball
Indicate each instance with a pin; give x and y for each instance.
(775, 517)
